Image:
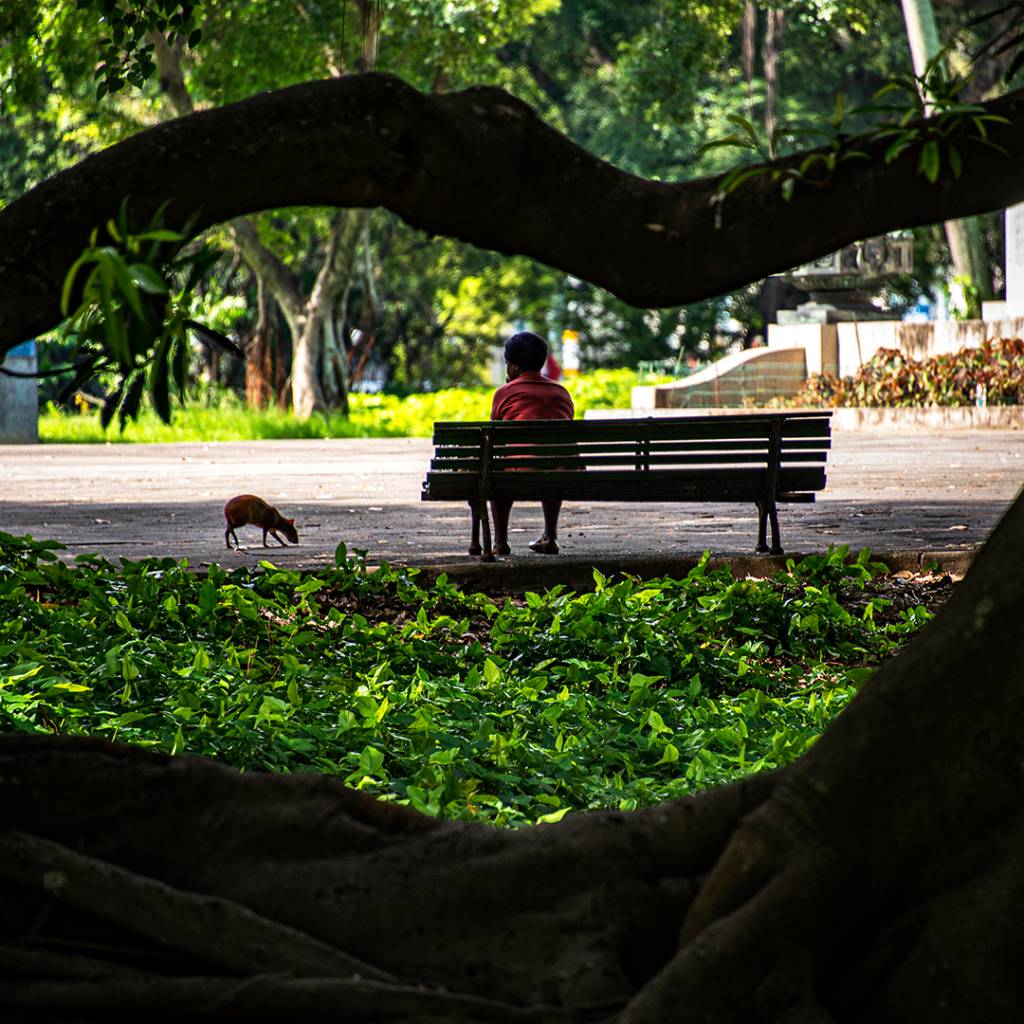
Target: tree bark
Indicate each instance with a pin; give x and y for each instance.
(371, 140)
(748, 36)
(265, 370)
(775, 19)
(169, 73)
(877, 879)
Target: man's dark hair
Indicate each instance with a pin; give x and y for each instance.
(526, 350)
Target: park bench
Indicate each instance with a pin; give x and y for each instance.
(763, 458)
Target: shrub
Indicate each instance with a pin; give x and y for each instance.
(892, 379)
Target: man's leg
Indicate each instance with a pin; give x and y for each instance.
(500, 512)
(548, 543)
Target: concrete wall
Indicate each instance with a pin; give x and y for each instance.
(750, 377)
(19, 397)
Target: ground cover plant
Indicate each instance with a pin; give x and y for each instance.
(507, 710)
(219, 415)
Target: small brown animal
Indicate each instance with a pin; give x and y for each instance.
(247, 508)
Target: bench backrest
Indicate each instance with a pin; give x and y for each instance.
(730, 455)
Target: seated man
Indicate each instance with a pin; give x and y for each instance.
(528, 395)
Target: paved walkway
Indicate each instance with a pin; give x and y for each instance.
(921, 492)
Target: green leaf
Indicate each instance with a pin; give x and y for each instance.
(837, 114)
(129, 407)
(179, 360)
(159, 235)
(955, 163)
(669, 756)
(20, 673)
(930, 161)
(71, 687)
(69, 280)
(371, 761)
(448, 756)
(656, 723)
(116, 271)
(553, 817)
(159, 375)
(148, 278)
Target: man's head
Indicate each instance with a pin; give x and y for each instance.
(525, 351)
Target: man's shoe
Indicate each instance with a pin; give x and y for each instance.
(543, 546)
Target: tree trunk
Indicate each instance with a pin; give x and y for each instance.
(876, 879)
(265, 370)
(307, 395)
(169, 73)
(774, 22)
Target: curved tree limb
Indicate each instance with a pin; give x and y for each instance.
(480, 166)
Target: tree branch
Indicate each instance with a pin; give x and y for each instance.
(372, 140)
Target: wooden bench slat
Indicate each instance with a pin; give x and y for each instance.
(607, 436)
(559, 447)
(638, 462)
(665, 485)
(716, 428)
(633, 421)
(629, 449)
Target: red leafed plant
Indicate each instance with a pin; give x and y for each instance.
(891, 378)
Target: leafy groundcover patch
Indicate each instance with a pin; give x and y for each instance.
(509, 710)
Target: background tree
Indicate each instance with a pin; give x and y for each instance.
(644, 86)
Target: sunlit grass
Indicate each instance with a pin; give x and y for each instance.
(223, 417)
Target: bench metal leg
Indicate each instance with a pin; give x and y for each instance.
(488, 555)
(762, 527)
(474, 531)
(773, 515)
(768, 510)
(478, 510)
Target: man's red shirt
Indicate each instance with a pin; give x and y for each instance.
(532, 396)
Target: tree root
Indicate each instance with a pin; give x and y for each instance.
(199, 877)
